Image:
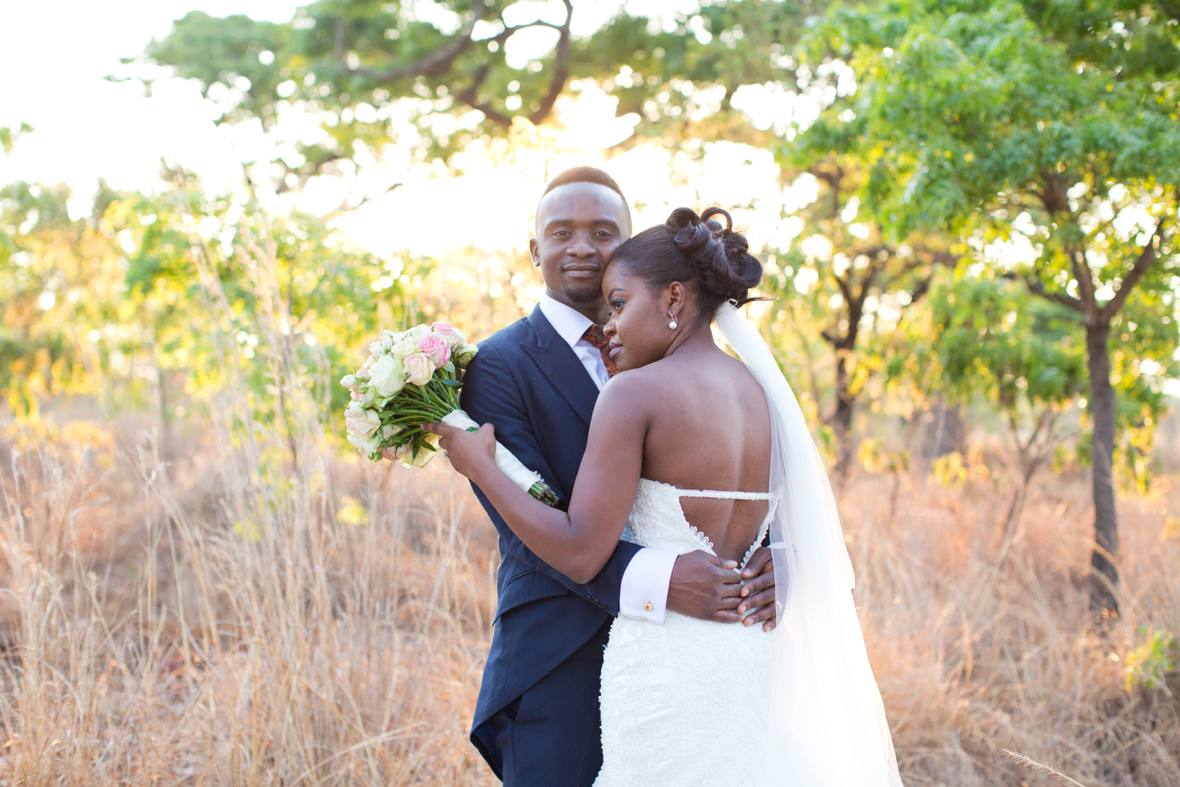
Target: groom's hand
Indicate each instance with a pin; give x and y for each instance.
(757, 605)
(705, 586)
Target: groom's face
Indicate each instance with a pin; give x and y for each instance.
(579, 226)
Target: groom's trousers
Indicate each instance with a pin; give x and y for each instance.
(551, 735)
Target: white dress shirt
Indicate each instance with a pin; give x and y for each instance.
(644, 591)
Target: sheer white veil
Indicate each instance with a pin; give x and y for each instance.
(829, 717)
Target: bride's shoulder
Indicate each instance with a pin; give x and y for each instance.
(647, 383)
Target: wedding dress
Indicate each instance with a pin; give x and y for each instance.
(692, 702)
(685, 702)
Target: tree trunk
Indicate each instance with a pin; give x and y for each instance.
(944, 430)
(163, 404)
(842, 416)
(1104, 575)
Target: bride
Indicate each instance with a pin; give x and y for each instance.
(689, 434)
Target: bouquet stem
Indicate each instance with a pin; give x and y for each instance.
(526, 479)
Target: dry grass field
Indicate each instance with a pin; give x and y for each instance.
(234, 614)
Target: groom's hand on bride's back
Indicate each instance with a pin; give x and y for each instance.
(705, 586)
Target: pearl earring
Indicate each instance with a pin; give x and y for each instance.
(672, 324)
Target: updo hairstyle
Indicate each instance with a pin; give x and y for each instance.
(691, 248)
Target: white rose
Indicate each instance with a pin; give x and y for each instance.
(419, 369)
(404, 347)
(348, 381)
(367, 446)
(361, 421)
(387, 376)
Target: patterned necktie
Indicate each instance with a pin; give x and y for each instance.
(595, 336)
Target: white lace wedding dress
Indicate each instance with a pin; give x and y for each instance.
(692, 702)
(686, 702)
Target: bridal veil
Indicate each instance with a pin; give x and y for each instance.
(829, 723)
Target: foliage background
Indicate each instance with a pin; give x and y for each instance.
(967, 211)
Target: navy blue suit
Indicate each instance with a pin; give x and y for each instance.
(537, 717)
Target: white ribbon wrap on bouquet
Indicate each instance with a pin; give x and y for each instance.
(509, 464)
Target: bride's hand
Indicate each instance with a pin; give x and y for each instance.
(758, 591)
(471, 453)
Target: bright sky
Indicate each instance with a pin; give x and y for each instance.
(55, 54)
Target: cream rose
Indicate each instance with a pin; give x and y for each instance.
(404, 347)
(403, 454)
(361, 421)
(419, 369)
(368, 446)
(387, 376)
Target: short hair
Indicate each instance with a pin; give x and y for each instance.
(586, 174)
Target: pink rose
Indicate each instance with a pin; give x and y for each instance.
(436, 347)
(448, 332)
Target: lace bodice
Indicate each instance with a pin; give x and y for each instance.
(684, 703)
(657, 518)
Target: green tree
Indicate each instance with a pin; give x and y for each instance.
(40, 249)
(1049, 126)
(865, 283)
(172, 299)
(994, 341)
(445, 67)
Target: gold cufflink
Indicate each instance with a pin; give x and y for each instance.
(648, 607)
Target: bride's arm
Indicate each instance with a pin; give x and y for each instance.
(579, 542)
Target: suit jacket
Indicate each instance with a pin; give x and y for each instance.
(528, 383)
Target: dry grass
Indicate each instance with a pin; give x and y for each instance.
(221, 618)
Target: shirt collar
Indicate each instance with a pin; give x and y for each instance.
(569, 323)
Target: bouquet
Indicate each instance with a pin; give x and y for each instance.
(411, 378)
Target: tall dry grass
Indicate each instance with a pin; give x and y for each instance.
(249, 605)
(203, 620)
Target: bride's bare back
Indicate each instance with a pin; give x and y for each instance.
(709, 428)
(683, 412)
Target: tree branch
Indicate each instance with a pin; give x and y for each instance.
(433, 64)
(845, 288)
(1142, 263)
(1037, 288)
(1085, 279)
(561, 70)
(469, 96)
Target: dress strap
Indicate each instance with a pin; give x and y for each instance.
(724, 495)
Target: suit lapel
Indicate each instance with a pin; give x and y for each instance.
(561, 366)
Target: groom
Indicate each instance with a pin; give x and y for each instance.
(537, 717)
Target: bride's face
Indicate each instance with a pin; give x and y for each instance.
(638, 324)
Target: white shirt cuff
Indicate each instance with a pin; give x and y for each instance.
(643, 594)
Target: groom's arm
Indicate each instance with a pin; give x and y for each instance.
(490, 395)
(636, 582)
